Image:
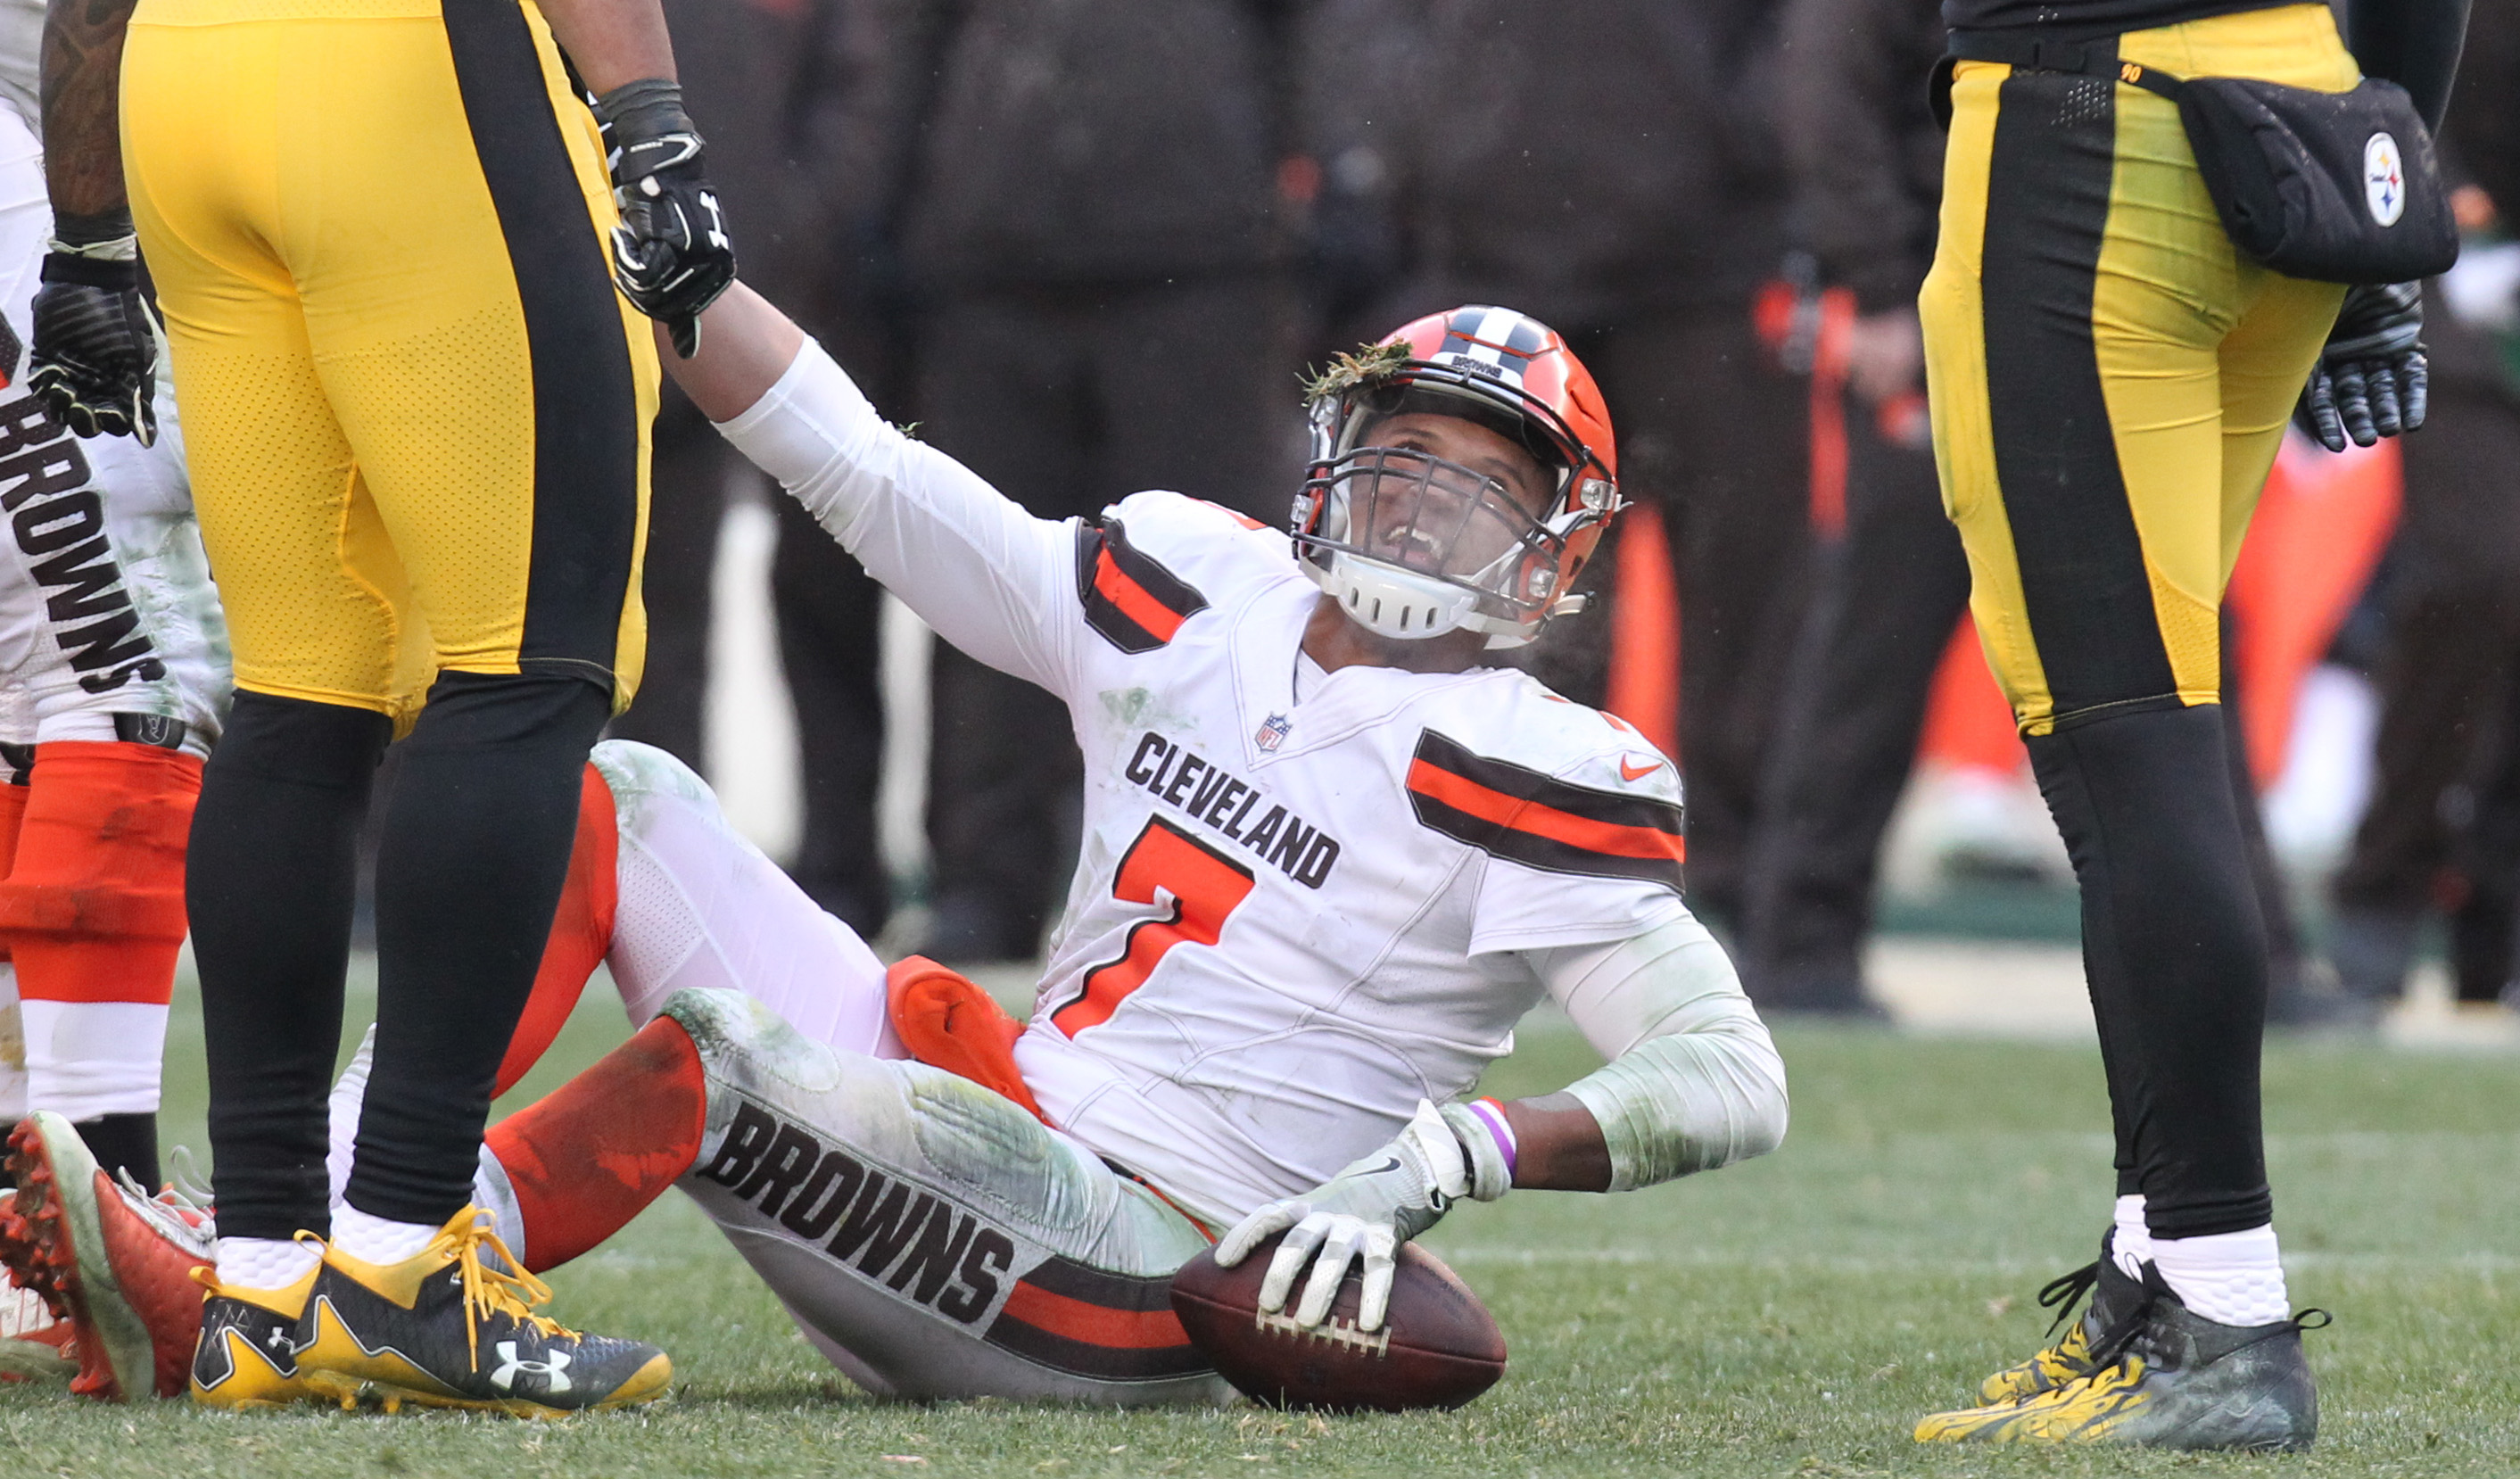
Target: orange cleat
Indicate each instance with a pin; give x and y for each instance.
(117, 1266)
(34, 1340)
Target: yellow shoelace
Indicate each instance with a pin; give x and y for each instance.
(500, 1288)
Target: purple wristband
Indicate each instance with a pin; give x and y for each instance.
(1492, 1114)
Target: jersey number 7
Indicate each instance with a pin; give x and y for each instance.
(1203, 885)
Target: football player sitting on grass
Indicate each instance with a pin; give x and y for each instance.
(1329, 859)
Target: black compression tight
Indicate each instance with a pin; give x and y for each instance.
(474, 848)
(269, 882)
(2176, 953)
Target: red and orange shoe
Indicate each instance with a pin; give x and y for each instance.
(117, 1266)
(34, 1340)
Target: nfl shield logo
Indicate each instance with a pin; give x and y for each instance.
(1274, 733)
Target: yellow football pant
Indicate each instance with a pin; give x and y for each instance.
(2109, 377)
(416, 409)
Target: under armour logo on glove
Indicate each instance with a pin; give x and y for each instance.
(554, 1372)
(671, 254)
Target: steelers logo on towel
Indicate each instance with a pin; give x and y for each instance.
(2384, 180)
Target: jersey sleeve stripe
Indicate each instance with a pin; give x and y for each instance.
(1514, 812)
(1135, 602)
(1523, 783)
(1473, 799)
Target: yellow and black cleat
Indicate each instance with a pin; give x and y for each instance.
(248, 1357)
(2069, 1355)
(454, 1326)
(2163, 1378)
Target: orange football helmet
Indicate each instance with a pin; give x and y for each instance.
(1412, 546)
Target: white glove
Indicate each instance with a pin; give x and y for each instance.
(1371, 1208)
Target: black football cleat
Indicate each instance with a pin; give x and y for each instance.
(2113, 1296)
(454, 1326)
(2165, 1377)
(248, 1355)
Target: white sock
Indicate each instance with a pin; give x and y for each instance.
(264, 1263)
(2233, 1279)
(493, 1193)
(2132, 1243)
(349, 1096)
(377, 1239)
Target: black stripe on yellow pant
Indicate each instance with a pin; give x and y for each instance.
(2089, 604)
(2109, 380)
(586, 428)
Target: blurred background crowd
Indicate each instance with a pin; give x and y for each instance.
(1086, 246)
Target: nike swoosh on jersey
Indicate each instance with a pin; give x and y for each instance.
(1514, 812)
(1629, 771)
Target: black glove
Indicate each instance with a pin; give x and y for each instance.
(2369, 381)
(95, 363)
(670, 253)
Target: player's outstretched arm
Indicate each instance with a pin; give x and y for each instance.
(746, 346)
(991, 580)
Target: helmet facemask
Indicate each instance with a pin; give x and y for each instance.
(1412, 545)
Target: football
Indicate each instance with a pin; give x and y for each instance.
(1438, 1346)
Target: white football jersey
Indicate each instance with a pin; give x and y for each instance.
(1296, 915)
(22, 45)
(110, 626)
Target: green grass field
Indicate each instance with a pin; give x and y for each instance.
(1791, 1316)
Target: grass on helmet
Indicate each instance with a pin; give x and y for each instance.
(1366, 365)
(1792, 1317)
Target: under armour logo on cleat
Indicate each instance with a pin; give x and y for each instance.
(554, 1372)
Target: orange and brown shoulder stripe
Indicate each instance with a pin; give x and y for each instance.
(1515, 812)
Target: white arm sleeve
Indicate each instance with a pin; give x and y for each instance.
(1694, 1081)
(989, 577)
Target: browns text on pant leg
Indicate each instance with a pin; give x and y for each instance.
(934, 1232)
